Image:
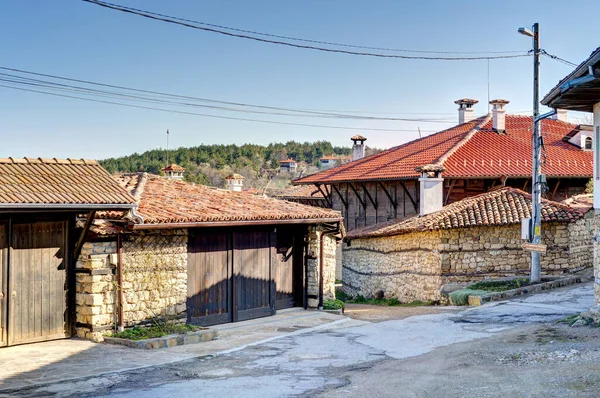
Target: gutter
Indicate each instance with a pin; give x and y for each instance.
(579, 71)
(208, 224)
(69, 206)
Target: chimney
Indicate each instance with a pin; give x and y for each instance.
(499, 115)
(465, 109)
(358, 149)
(431, 186)
(235, 182)
(561, 114)
(173, 172)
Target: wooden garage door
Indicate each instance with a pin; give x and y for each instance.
(252, 275)
(209, 283)
(3, 282)
(37, 305)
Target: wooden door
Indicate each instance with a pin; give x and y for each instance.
(252, 275)
(3, 282)
(37, 304)
(284, 269)
(209, 283)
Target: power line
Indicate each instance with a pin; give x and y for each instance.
(297, 112)
(208, 115)
(253, 32)
(554, 57)
(194, 25)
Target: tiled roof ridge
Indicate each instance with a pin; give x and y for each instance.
(483, 121)
(139, 186)
(27, 160)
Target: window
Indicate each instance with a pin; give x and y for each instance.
(588, 143)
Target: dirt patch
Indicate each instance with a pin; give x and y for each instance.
(378, 313)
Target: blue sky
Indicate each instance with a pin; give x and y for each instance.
(79, 40)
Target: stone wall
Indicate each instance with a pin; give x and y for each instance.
(154, 281)
(415, 266)
(406, 267)
(313, 268)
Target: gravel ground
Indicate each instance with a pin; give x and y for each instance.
(381, 313)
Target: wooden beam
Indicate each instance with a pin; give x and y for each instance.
(373, 202)
(409, 195)
(555, 189)
(81, 240)
(452, 184)
(525, 186)
(344, 202)
(389, 196)
(362, 202)
(327, 198)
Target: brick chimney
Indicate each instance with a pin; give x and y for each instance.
(499, 115)
(235, 182)
(561, 114)
(431, 186)
(465, 109)
(358, 149)
(173, 172)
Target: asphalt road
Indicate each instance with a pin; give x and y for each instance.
(511, 348)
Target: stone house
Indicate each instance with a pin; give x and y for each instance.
(39, 203)
(467, 241)
(476, 156)
(288, 166)
(202, 255)
(580, 91)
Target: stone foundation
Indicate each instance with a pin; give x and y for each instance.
(415, 266)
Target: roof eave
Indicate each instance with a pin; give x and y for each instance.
(67, 206)
(239, 223)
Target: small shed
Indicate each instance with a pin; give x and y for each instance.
(204, 255)
(470, 240)
(39, 202)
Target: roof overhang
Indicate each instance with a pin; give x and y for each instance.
(65, 206)
(579, 90)
(213, 224)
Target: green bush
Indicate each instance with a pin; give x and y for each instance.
(461, 297)
(500, 286)
(154, 331)
(333, 305)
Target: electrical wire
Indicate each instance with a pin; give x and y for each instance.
(208, 115)
(253, 32)
(296, 112)
(194, 25)
(554, 57)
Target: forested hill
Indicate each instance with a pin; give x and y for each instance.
(209, 164)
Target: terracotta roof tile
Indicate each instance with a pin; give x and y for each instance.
(174, 167)
(163, 200)
(299, 192)
(56, 181)
(470, 150)
(500, 207)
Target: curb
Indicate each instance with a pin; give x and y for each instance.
(475, 301)
(171, 340)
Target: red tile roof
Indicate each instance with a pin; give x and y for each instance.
(58, 182)
(500, 207)
(235, 176)
(300, 192)
(287, 161)
(470, 150)
(330, 157)
(164, 200)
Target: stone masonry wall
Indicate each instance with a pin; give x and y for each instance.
(415, 266)
(406, 267)
(313, 266)
(154, 281)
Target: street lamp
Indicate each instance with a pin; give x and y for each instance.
(536, 222)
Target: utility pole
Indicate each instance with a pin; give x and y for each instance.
(536, 203)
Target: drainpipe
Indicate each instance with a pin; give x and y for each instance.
(120, 281)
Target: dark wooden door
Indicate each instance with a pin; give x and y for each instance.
(209, 282)
(3, 282)
(253, 253)
(37, 304)
(284, 269)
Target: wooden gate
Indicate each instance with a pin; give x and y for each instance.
(253, 281)
(235, 276)
(209, 279)
(37, 304)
